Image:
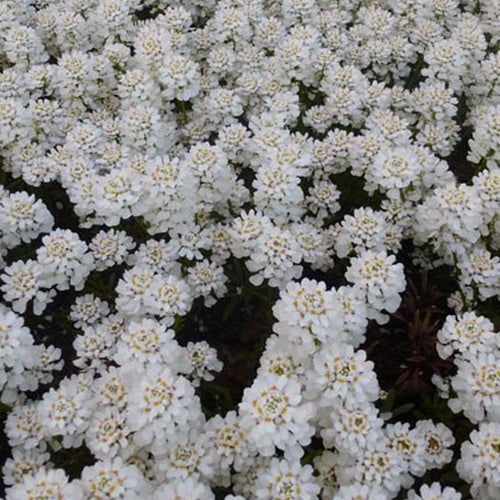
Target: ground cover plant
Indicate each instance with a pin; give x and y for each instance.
(249, 249)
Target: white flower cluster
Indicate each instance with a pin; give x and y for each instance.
(24, 365)
(475, 347)
(192, 138)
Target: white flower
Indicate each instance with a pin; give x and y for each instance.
(467, 334)
(23, 46)
(433, 100)
(161, 405)
(133, 288)
(286, 480)
(180, 77)
(24, 426)
(389, 126)
(477, 386)
(111, 388)
(113, 479)
(183, 488)
(276, 257)
(480, 271)
(479, 462)
(23, 364)
(64, 259)
(351, 429)
(13, 121)
(107, 433)
(379, 280)
(110, 248)
(326, 466)
(307, 305)
(364, 230)
(229, 445)
(341, 374)
(314, 245)
(277, 190)
(16, 351)
(22, 283)
(411, 446)
(234, 140)
(282, 357)
(446, 62)
(225, 104)
(380, 465)
(136, 86)
(45, 484)
(450, 218)
(190, 239)
(488, 183)
(203, 360)
(394, 170)
(354, 315)
(88, 310)
(210, 167)
(485, 141)
(65, 411)
(23, 462)
(207, 280)
(360, 491)
(147, 343)
(434, 492)
(186, 455)
(323, 199)
(157, 255)
(273, 413)
(438, 441)
(244, 481)
(23, 218)
(245, 231)
(169, 296)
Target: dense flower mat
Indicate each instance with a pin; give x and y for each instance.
(249, 249)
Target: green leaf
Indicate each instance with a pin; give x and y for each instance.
(402, 409)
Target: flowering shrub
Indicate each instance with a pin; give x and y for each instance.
(249, 249)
